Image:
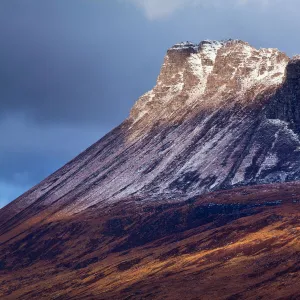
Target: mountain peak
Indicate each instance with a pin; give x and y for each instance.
(208, 74)
(194, 47)
(219, 117)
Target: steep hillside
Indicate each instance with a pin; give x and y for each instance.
(222, 114)
(196, 191)
(239, 244)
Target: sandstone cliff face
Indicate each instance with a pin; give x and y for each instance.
(222, 114)
(210, 75)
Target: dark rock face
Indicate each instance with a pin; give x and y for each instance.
(285, 104)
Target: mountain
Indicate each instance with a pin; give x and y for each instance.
(195, 195)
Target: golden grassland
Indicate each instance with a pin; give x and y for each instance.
(254, 256)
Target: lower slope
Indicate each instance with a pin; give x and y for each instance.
(237, 244)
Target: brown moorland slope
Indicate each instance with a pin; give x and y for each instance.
(238, 244)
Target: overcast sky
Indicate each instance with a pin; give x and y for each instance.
(70, 70)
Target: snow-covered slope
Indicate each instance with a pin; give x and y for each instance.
(222, 114)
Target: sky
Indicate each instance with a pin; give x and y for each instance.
(70, 70)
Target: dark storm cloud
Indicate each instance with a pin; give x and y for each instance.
(64, 61)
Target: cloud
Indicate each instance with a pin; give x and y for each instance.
(155, 9)
(63, 70)
(158, 9)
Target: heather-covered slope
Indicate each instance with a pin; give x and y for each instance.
(238, 244)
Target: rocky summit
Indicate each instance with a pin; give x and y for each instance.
(197, 187)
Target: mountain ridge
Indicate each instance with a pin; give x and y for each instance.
(171, 148)
(195, 194)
